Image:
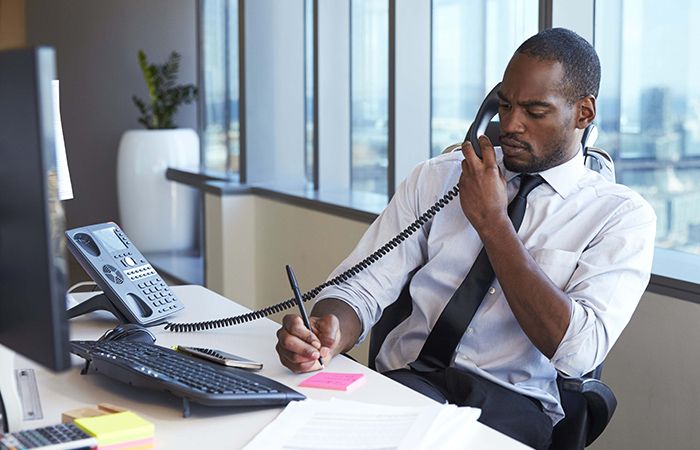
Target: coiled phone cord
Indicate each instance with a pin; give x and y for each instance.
(351, 272)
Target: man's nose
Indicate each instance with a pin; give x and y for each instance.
(512, 122)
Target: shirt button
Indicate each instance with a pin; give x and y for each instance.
(470, 330)
(492, 290)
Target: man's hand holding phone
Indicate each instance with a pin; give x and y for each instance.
(300, 349)
(482, 187)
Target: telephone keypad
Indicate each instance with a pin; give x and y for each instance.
(158, 294)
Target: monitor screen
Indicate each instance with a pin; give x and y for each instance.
(33, 269)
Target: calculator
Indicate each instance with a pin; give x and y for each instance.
(55, 437)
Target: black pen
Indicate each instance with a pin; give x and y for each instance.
(300, 302)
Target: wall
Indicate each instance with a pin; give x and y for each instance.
(12, 32)
(249, 239)
(653, 369)
(96, 44)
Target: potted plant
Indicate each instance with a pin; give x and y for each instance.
(157, 214)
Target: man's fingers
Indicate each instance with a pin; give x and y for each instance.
(488, 153)
(295, 326)
(294, 357)
(296, 362)
(299, 348)
(327, 328)
(295, 349)
(469, 154)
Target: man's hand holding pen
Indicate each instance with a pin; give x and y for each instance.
(303, 343)
(300, 349)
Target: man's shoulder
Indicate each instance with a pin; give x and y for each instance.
(445, 159)
(436, 168)
(624, 195)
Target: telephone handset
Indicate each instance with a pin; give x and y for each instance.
(132, 289)
(487, 110)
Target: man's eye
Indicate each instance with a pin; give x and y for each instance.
(536, 114)
(503, 106)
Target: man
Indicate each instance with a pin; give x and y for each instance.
(567, 281)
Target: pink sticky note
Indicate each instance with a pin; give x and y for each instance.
(334, 380)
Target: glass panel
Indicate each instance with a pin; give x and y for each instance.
(309, 89)
(219, 59)
(369, 59)
(649, 109)
(472, 42)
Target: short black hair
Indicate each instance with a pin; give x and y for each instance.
(578, 58)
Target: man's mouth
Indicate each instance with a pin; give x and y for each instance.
(513, 144)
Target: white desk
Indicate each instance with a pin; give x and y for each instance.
(213, 427)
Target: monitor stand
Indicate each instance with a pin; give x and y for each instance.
(10, 406)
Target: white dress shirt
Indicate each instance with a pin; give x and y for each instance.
(594, 239)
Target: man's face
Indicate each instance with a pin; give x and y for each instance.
(538, 124)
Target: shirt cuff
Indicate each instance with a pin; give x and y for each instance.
(338, 294)
(572, 356)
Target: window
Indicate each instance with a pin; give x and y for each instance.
(649, 109)
(472, 44)
(219, 85)
(309, 111)
(369, 62)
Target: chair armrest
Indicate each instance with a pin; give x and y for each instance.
(600, 401)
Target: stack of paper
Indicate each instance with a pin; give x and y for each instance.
(124, 430)
(342, 424)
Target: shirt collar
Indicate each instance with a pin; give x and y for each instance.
(562, 178)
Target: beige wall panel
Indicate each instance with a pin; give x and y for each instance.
(12, 24)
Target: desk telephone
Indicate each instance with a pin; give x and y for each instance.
(132, 289)
(487, 110)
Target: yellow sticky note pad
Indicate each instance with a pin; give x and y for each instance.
(116, 428)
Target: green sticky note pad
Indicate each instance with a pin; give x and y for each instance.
(116, 428)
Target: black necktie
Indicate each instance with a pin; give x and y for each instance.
(450, 326)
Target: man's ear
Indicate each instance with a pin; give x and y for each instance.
(585, 110)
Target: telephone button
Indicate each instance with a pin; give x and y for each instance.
(129, 261)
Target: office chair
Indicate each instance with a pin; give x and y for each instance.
(588, 403)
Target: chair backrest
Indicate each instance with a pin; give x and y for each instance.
(587, 402)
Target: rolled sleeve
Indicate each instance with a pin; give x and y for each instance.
(606, 287)
(378, 285)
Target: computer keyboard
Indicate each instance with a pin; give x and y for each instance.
(54, 437)
(154, 367)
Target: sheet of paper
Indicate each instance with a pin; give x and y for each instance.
(65, 188)
(345, 425)
(451, 428)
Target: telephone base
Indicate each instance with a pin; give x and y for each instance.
(96, 303)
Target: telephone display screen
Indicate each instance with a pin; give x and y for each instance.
(108, 237)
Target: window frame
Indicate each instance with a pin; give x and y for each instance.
(675, 274)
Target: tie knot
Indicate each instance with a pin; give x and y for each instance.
(528, 183)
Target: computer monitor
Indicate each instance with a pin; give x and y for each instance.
(33, 269)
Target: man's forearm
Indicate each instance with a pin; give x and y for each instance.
(350, 325)
(542, 309)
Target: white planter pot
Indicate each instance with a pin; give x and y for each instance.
(155, 213)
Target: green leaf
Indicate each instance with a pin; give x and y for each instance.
(165, 96)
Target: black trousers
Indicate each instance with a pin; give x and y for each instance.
(513, 414)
